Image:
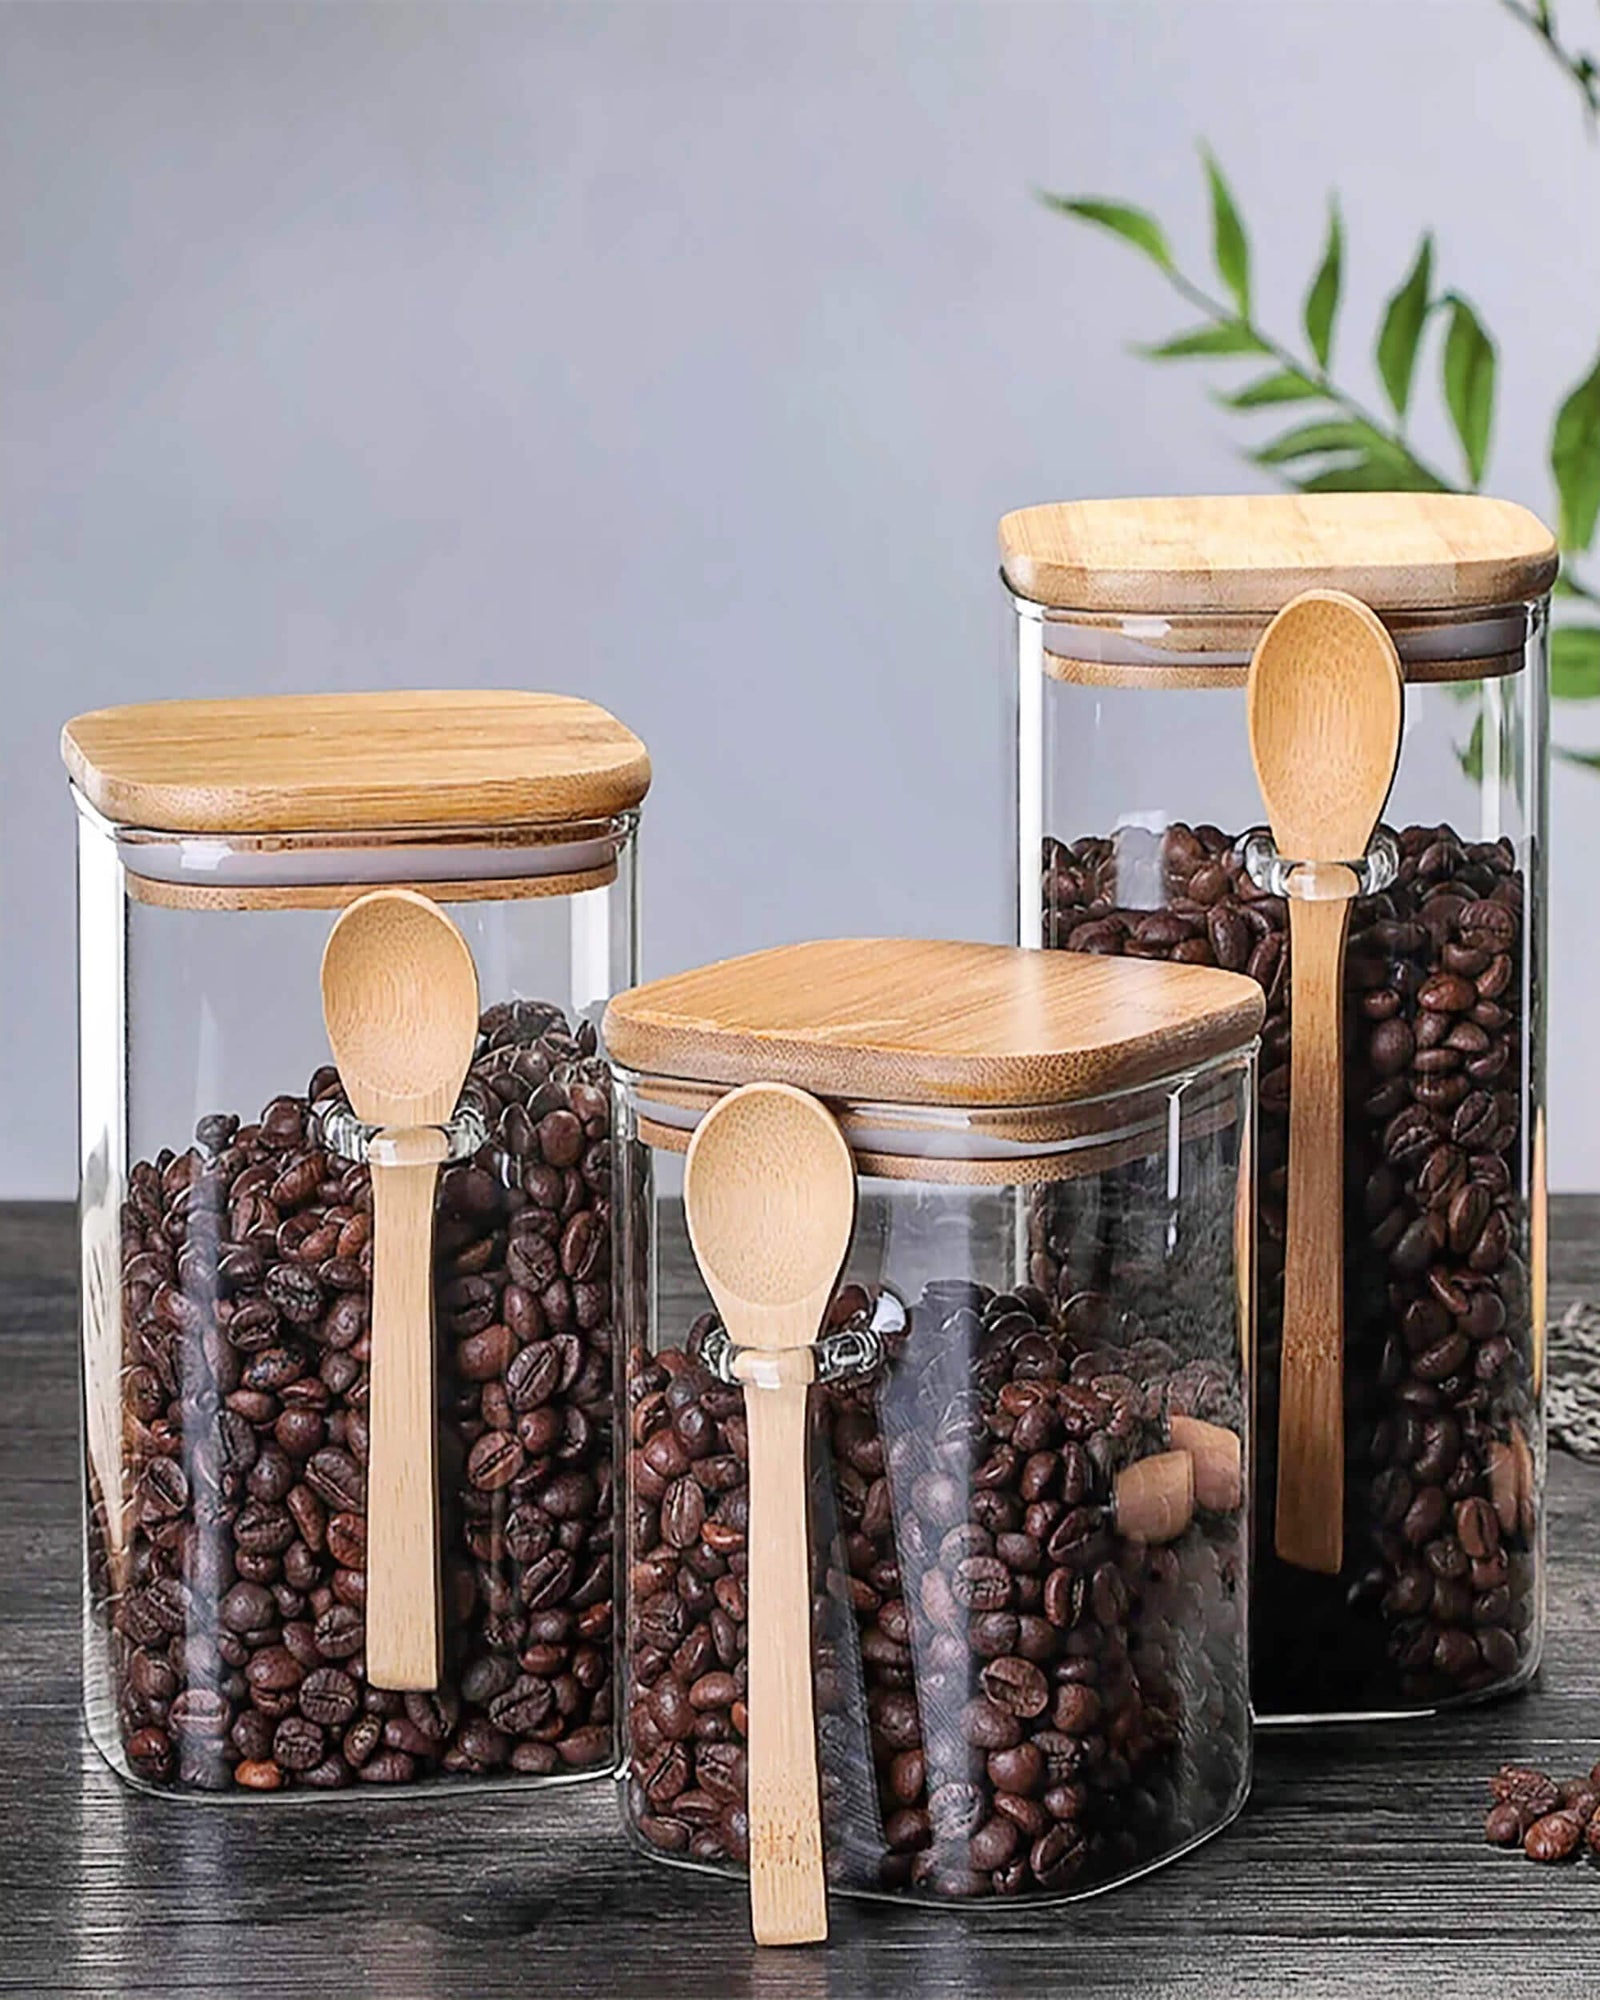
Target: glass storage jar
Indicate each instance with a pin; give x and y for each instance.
(1027, 1510)
(239, 1384)
(1140, 832)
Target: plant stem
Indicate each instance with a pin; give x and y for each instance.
(1222, 314)
(1571, 584)
(1540, 17)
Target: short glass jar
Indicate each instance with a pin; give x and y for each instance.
(1141, 833)
(228, 1243)
(1027, 1509)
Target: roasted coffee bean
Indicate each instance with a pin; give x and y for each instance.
(1435, 1098)
(494, 1461)
(1017, 1659)
(1553, 1838)
(249, 1372)
(297, 1744)
(329, 1696)
(1017, 1686)
(1531, 1791)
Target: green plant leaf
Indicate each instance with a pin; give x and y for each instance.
(1133, 225)
(1471, 758)
(1370, 475)
(1356, 459)
(1401, 333)
(1588, 760)
(1322, 301)
(1575, 461)
(1469, 368)
(1228, 338)
(1310, 440)
(1287, 386)
(1575, 663)
(1230, 247)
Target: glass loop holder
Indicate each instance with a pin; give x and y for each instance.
(837, 1356)
(1320, 881)
(400, 1145)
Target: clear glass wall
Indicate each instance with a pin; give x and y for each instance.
(1134, 795)
(227, 1257)
(1029, 1501)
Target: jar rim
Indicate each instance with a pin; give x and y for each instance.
(1180, 648)
(317, 868)
(998, 1144)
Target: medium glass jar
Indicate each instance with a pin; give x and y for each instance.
(1141, 833)
(1027, 1509)
(229, 1335)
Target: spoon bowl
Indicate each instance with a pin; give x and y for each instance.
(400, 1003)
(770, 1192)
(1325, 701)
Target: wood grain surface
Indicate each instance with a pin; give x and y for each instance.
(1357, 1872)
(899, 1021)
(400, 1004)
(1253, 552)
(330, 763)
(1325, 709)
(769, 1195)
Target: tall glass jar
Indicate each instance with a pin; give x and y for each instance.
(1141, 833)
(228, 1243)
(1027, 1508)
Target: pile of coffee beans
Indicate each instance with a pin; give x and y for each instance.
(1550, 1819)
(1439, 1593)
(1028, 1682)
(235, 1603)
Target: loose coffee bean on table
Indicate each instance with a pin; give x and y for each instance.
(1549, 1819)
(1439, 1594)
(236, 1608)
(1015, 1695)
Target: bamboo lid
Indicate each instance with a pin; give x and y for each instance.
(893, 1021)
(1253, 552)
(356, 762)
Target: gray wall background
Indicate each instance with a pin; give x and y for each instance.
(684, 355)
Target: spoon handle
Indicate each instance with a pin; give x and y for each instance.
(404, 1639)
(788, 1895)
(1310, 1519)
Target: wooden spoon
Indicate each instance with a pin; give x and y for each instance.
(1325, 701)
(770, 1194)
(400, 1002)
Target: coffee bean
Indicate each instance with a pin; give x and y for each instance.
(494, 1461)
(1017, 1686)
(682, 1513)
(981, 1583)
(1553, 1838)
(560, 1138)
(1435, 1103)
(957, 1810)
(247, 1607)
(297, 1744)
(286, 1352)
(949, 1585)
(150, 1755)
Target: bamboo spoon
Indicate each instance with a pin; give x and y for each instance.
(400, 1002)
(770, 1194)
(1325, 701)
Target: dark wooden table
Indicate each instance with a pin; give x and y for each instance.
(1357, 1870)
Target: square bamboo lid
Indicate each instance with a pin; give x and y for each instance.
(356, 763)
(894, 1021)
(1253, 552)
